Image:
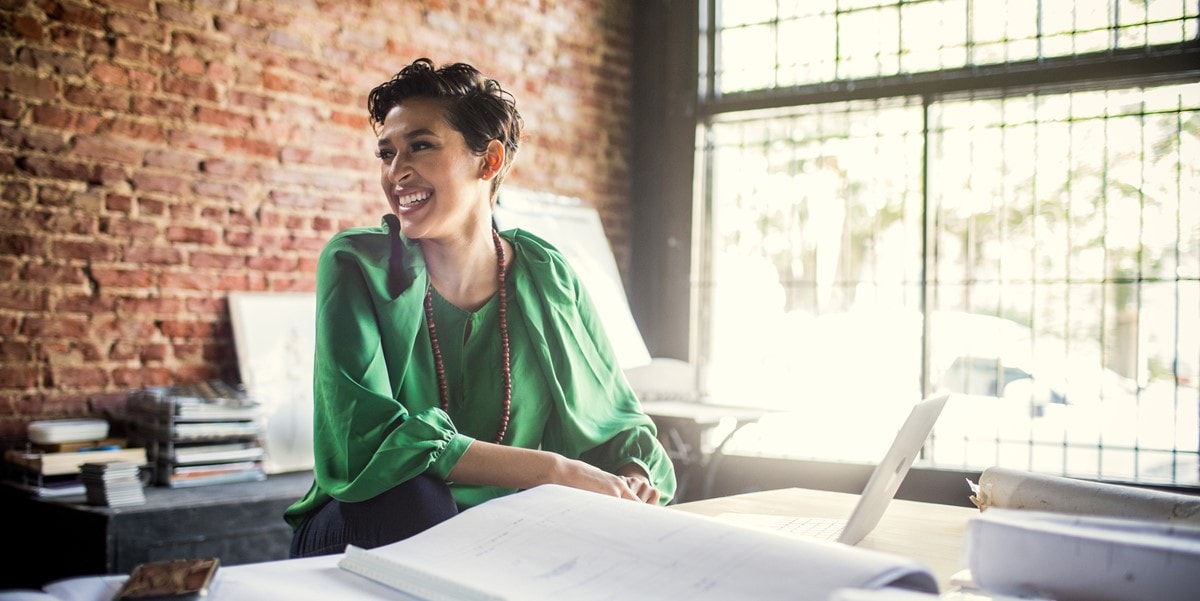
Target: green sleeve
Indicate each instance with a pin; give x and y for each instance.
(597, 418)
(365, 440)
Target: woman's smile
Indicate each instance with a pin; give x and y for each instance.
(409, 200)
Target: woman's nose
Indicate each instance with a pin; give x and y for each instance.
(399, 170)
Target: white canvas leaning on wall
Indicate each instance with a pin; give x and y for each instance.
(273, 333)
(576, 230)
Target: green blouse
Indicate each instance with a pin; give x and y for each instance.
(377, 420)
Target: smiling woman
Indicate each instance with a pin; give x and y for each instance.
(436, 333)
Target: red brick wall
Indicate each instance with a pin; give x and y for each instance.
(156, 155)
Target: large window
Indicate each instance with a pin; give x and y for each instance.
(994, 198)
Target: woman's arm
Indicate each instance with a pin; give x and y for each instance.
(489, 464)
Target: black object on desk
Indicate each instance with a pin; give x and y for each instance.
(51, 539)
(682, 426)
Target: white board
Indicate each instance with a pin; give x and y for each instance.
(274, 334)
(576, 230)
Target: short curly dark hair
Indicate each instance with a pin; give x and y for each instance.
(476, 106)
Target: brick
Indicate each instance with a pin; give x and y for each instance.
(138, 377)
(240, 239)
(126, 25)
(63, 222)
(15, 351)
(190, 65)
(107, 98)
(151, 207)
(67, 352)
(114, 277)
(20, 244)
(224, 119)
(172, 159)
(56, 62)
(120, 203)
(244, 145)
(203, 260)
(52, 274)
(86, 304)
(109, 176)
(28, 27)
(123, 226)
(195, 235)
(186, 329)
(27, 85)
(55, 327)
(44, 140)
(271, 263)
(153, 255)
(157, 182)
(149, 305)
(187, 281)
(138, 129)
(144, 6)
(198, 141)
(18, 377)
(54, 168)
(154, 353)
(103, 148)
(109, 74)
(231, 168)
(185, 16)
(77, 377)
(162, 108)
(90, 249)
(23, 297)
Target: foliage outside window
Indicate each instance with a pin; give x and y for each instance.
(1031, 245)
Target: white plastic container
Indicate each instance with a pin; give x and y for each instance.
(58, 431)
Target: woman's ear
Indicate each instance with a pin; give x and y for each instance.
(493, 159)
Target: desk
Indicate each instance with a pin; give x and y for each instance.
(682, 426)
(930, 533)
(927, 532)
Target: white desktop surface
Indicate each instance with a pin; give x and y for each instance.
(924, 531)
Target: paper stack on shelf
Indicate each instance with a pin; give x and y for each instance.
(114, 484)
(205, 433)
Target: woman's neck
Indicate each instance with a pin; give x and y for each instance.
(463, 270)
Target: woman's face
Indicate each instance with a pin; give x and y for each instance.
(434, 183)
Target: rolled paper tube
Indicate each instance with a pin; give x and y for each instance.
(1016, 489)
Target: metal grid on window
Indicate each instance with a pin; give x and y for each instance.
(763, 44)
(1035, 248)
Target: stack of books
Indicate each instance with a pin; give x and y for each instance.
(49, 464)
(113, 484)
(205, 433)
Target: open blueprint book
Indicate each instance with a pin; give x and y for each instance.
(553, 542)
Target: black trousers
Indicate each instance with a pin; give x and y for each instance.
(393, 515)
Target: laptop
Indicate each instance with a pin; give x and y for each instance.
(879, 491)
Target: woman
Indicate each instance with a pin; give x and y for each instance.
(455, 364)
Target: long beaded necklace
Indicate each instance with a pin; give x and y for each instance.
(506, 364)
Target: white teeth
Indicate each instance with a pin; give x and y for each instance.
(412, 199)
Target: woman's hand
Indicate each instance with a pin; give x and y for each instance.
(578, 474)
(637, 481)
(489, 464)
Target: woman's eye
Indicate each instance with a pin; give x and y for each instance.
(385, 155)
(420, 146)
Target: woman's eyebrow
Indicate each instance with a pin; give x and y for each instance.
(416, 133)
